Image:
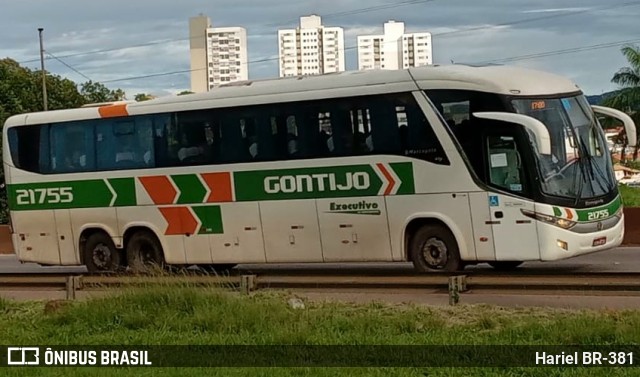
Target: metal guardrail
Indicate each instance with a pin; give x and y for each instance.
(602, 283)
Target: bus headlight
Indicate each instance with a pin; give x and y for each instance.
(557, 221)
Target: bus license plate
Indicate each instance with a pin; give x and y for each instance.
(599, 241)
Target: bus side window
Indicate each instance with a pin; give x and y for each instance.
(186, 138)
(124, 143)
(279, 140)
(385, 127)
(236, 132)
(304, 135)
(292, 137)
(73, 147)
(161, 125)
(420, 142)
(29, 146)
(326, 145)
(343, 136)
(361, 128)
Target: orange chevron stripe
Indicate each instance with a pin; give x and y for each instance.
(160, 189)
(389, 178)
(112, 111)
(569, 213)
(179, 221)
(220, 186)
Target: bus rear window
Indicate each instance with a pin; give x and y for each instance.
(29, 147)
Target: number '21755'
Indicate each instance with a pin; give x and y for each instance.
(596, 215)
(51, 195)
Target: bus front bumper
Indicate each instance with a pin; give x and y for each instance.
(557, 243)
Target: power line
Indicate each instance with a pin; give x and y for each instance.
(533, 19)
(154, 43)
(359, 11)
(509, 59)
(68, 66)
(560, 52)
(373, 8)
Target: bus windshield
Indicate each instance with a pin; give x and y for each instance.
(579, 164)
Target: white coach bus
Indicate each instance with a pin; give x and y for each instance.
(443, 166)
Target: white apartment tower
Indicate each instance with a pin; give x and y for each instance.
(218, 54)
(311, 49)
(394, 49)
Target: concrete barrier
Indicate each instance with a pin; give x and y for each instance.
(631, 231)
(631, 226)
(6, 246)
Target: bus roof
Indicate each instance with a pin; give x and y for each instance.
(508, 80)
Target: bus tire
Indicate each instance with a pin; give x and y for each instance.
(144, 252)
(505, 265)
(100, 253)
(433, 247)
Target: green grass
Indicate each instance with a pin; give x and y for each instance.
(183, 315)
(630, 196)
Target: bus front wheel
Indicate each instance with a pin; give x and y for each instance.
(100, 253)
(433, 247)
(144, 252)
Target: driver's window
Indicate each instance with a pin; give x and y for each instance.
(505, 163)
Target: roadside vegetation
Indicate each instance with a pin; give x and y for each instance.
(630, 196)
(173, 315)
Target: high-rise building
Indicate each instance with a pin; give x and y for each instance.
(311, 48)
(218, 54)
(394, 49)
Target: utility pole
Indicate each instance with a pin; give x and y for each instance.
(44, 73)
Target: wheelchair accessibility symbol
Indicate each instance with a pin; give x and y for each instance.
(493, 201)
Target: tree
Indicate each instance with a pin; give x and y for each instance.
(143, 97)
(21, 92)
(627, 99)
(95, 92)
(185, 92)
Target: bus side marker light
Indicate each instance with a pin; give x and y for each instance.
(563, 245)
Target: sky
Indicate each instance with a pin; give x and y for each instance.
(151, 37)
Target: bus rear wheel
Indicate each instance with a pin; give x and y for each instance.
(433, 247)
(144, 252)
(505, 265)
(100, 253)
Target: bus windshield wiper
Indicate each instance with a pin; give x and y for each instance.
(590, 166)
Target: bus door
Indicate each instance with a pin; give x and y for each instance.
(515, 235)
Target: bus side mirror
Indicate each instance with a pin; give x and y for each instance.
(539, 130)
(629, 126)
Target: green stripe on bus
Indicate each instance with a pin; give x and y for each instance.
(320, 182)
(277, 184)
(600, 213)
(596, 213)
(125, 189)
(60, 195)
(211, 219)
(404, 171)
(191, 188)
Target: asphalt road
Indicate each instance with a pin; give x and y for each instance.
(624, 259)
(619, 260)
